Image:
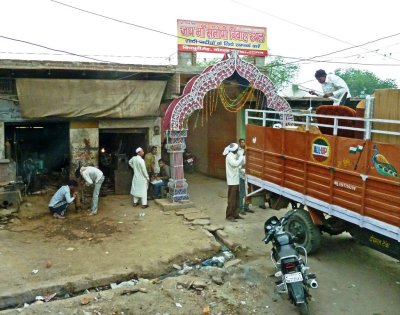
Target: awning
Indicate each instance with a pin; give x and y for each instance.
(92, 98)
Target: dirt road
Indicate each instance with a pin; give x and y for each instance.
(352, 279)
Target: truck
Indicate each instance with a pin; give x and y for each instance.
(338, 167)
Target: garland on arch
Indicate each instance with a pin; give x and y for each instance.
(233, 105)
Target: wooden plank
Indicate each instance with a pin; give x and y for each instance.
(387, 106)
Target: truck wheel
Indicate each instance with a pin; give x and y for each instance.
(305, 232)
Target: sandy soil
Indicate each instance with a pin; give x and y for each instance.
(352, 279)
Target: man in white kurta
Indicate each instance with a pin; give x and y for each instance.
(140, 180)
(233, 162)
(333, 86)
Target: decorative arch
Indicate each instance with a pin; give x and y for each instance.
(193, 94)
(180, 109)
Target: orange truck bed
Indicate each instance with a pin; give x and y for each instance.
(353, 179)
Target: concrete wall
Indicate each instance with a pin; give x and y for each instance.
(84, 144)
(9, 111)
(8, 170)
(84, 137)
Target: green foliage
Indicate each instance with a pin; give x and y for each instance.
(280, 72)
(207, 62)
(363, 82)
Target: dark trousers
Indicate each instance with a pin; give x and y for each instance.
(233, 198)
(59, 208)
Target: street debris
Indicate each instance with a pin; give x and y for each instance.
(46, 298)
(35, 271)
(177, 267)
(185, 269)
(232, 263)
(133, 290)
(124, 284)
(216, 261)
(85, 300)
(217, 280)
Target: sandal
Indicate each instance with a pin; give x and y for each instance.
(135, 204)
(145, 206)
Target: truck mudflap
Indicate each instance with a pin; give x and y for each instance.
(376, 241)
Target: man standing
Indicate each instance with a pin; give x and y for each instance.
(233, 162)
(162, 178)
(150, 160)
(62, 199)
(92, 176)
(332, 86)
(140, 180)
(243, 205)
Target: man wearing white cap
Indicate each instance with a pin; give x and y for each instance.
(140, 180)
(233, 162)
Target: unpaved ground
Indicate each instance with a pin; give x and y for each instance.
(353, 279)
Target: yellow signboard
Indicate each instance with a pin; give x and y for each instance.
(210, 37)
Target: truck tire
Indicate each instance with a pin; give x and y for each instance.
(305, 232)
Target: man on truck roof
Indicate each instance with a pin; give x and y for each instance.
(332, 86)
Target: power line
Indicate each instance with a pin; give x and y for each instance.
(91, 55)
(357, 46)
(339, 62)
(53, 49)
(176, 36)
(114, 19)
(301, 26)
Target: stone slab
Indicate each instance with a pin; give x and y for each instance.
(167, 205)
(186, 211)
(223, 236)
(194, 216)
(231, 263)
(213, 227)
(201, 222)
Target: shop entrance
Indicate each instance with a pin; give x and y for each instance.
(40, 151)
(117, 147)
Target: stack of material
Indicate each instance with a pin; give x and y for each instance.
(387, 106)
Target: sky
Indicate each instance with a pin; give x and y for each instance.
(295, 29)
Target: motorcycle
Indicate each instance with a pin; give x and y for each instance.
(188, 162)
(293, 272)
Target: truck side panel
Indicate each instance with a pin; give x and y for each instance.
(354, 179)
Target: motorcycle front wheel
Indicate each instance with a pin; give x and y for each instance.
(303, 308)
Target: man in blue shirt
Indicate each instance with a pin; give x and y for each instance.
(63, 198)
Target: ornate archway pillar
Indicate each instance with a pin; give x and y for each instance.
(176, 145)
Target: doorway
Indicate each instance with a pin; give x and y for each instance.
(117, 147)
